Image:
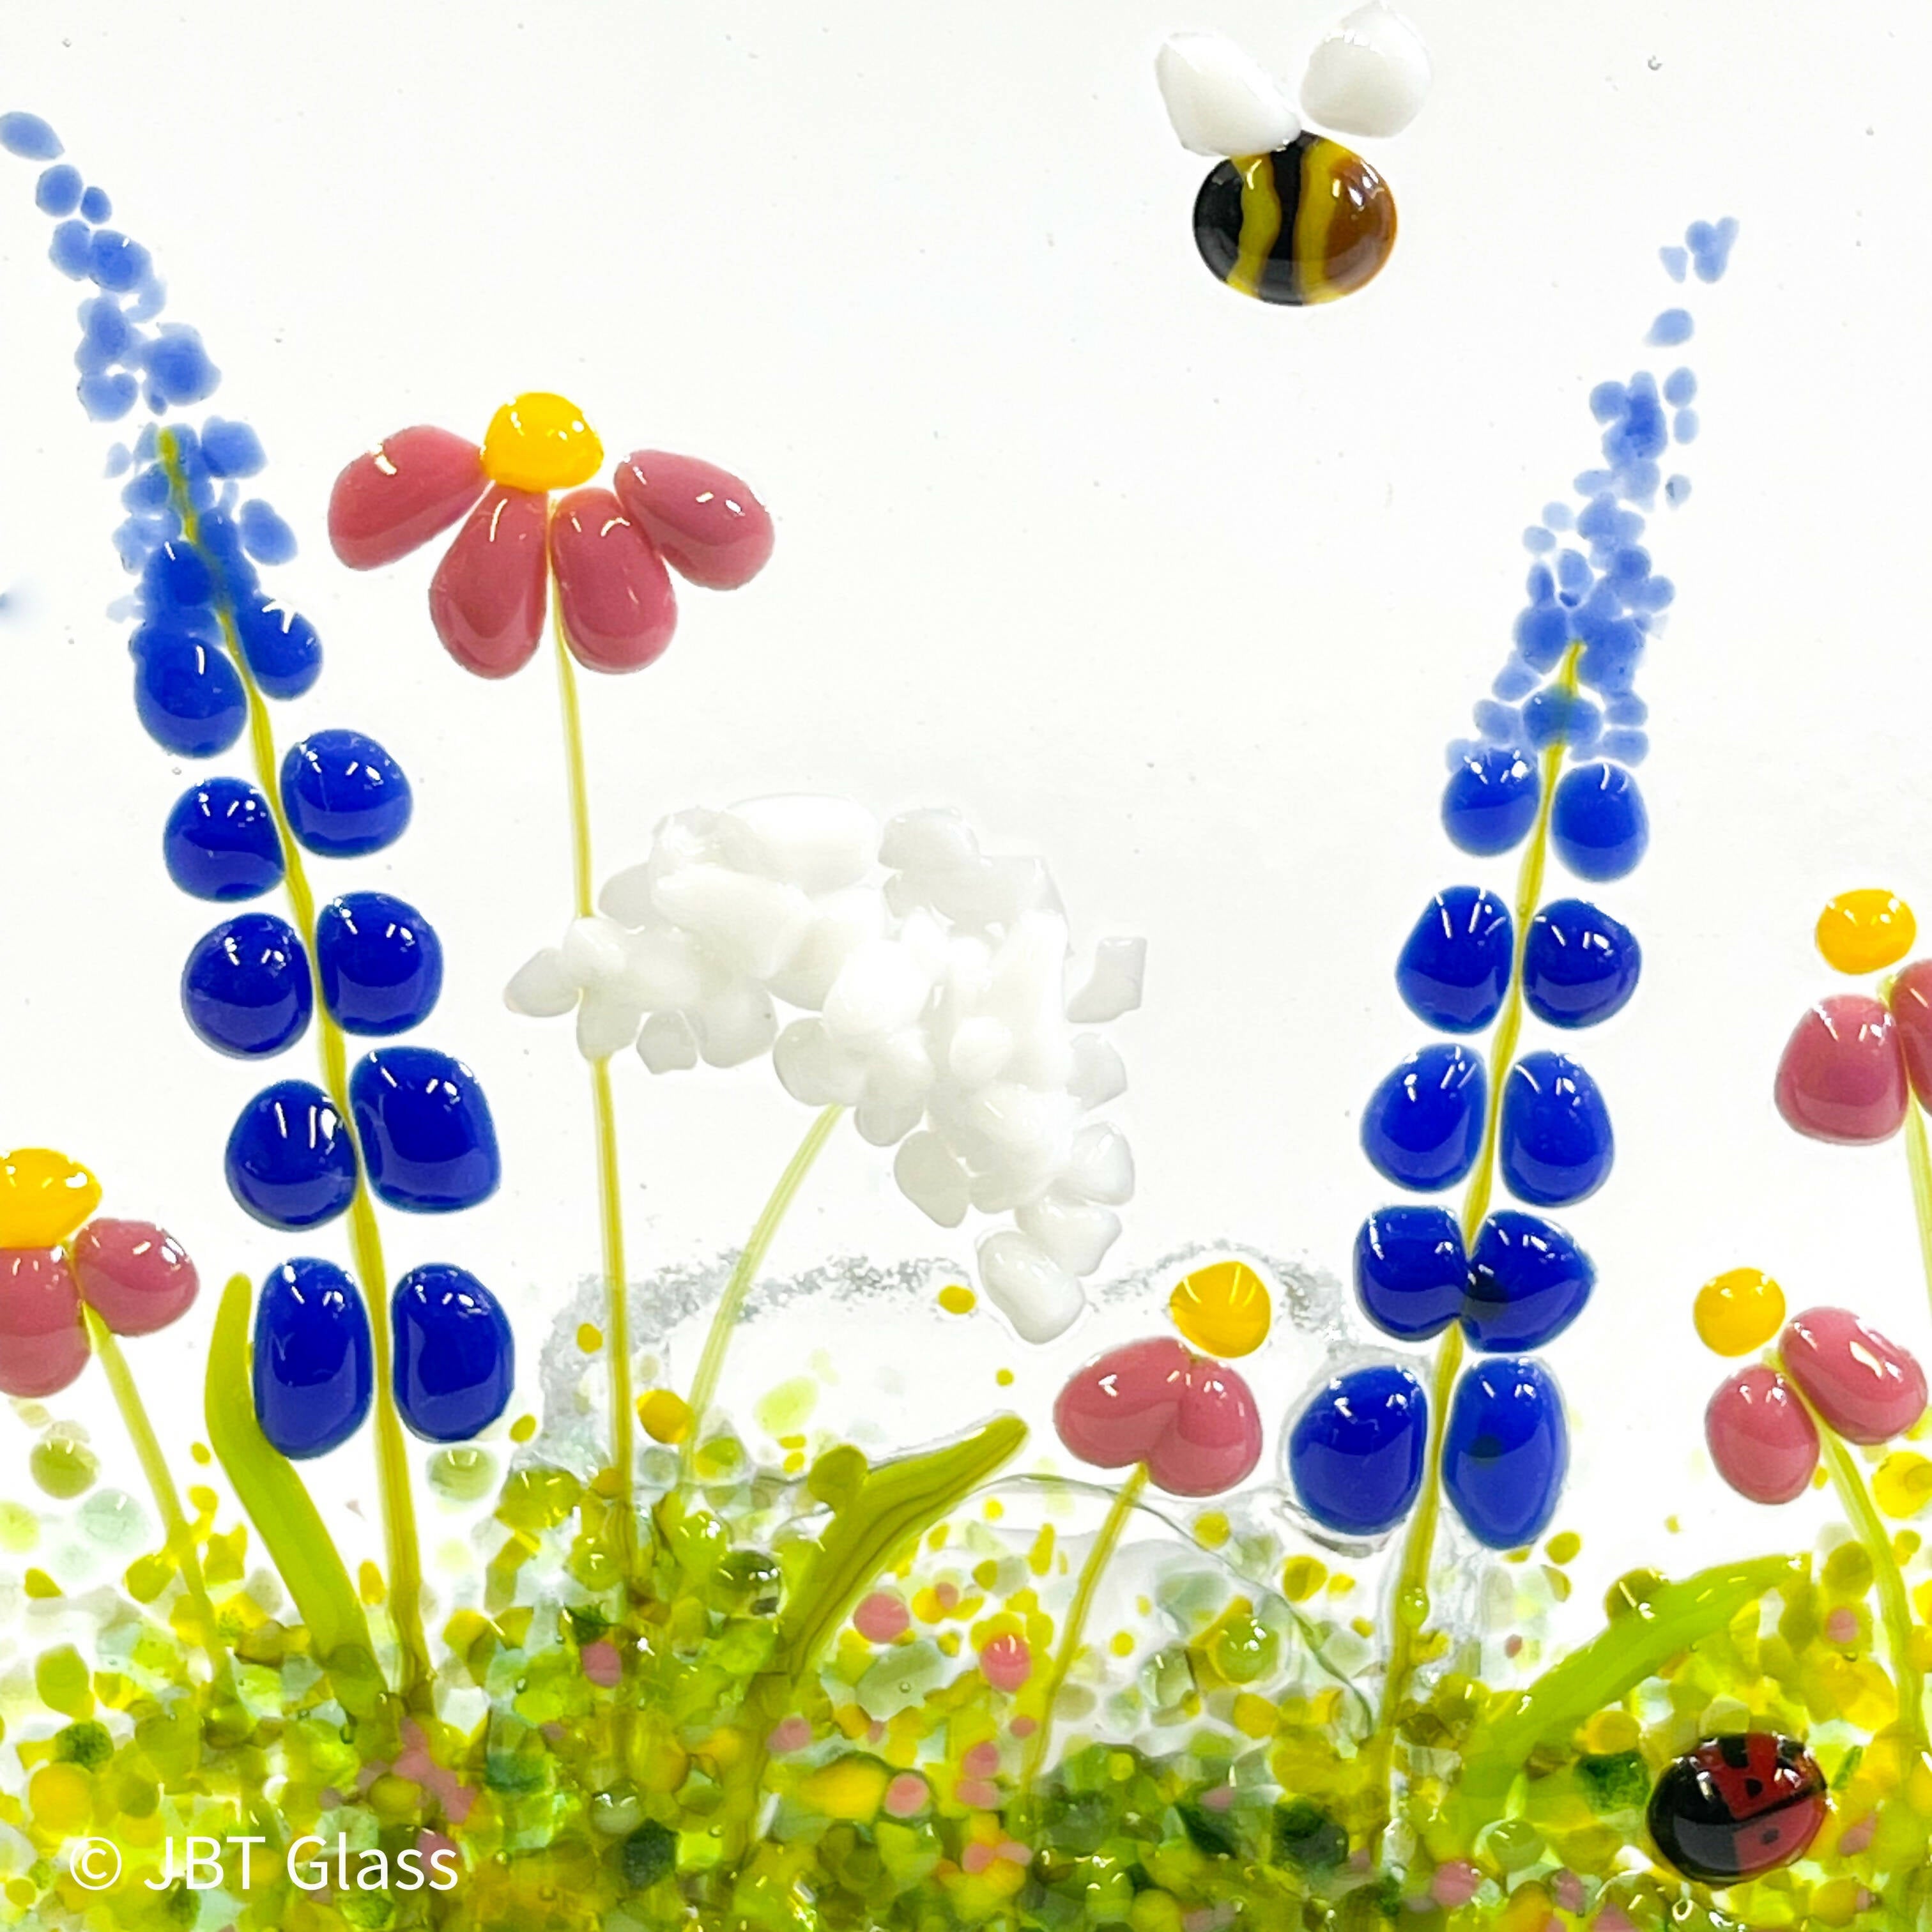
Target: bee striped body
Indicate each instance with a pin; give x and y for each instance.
(1309, 222)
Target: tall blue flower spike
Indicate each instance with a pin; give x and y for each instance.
(212, 647)
(1552, 763)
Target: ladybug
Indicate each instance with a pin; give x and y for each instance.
(1738, 1806)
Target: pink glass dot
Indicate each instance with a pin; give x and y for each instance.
(710, 527)
(981, 1793)
(881, 1617)
(1842, 1078)
(602, 1663)
(398, 496)
(982, 1761)
(1452, 1885)
(975, 1858)
(1841, 1626)
(612, 593)
(134, 1275)
(487, 597)
(906, 1795)
(1193, 1421)
(789, 1734)
(1005, 1663)
(1760, 1438)
(43, 1343)
(1866, 1388)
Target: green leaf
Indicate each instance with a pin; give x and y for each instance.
(1603, 1672)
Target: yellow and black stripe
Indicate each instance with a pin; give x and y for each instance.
(1306, 224)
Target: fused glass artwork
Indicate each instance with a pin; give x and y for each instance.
(872, 1068)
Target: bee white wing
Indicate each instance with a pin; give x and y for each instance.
(1221, 102)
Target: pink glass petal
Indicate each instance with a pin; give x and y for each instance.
(43, 1344)
(135, 1276)
(618, 609)
(394, 499)
(487, 597)
(1867, 1388)
(1193, 1422)
(710, 527)
(1842, 1078)
(1763, 1443)
(1911, 1011)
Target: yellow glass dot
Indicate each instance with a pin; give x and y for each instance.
(541, 442)
(589, 1337)
(1738, 1311)
(1866, 930)
(665, 1415)
(1004, 1377)
(44, 1198)
(1563, 1547)
(1223, 1309)
(62, 1798)
(38, 1583)
(369, 1585)
(523, 1428)
(1902, 1484)
(957, 1299)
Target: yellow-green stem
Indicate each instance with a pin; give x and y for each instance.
(731, 1304)
(180, 1534)
(1918, 1161)
(1071, 1632)
(1895, 1607)
(609, 1193)
(1409, 1607)
(365, 1240)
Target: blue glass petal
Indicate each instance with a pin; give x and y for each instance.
(220, 842)
(188, 695)
(281, 645)
(1355, 1454)
(116, 262)
(1528, 1281)
(344, 795)
(425, 1130)
(58, 191)
(1506, 1450)
(1455, 965)
(29, 136)
(1423, 1124)
(1410, 1273)
(232, 449)
(95, 205)
(1579, 965)
(290, 1163)
(1555, 1146)
(455, 1358)
(380, 963)
(314, 1370)
(1490, 801)
(177, 577)
(1598, 822)
(245, 989)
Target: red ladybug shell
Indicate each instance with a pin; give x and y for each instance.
(1738, 1806)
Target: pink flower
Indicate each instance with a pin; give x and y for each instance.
(607, 552)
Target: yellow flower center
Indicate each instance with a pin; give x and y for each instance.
(1866, 930)
(541, 442)
(1739, 1311)
(44, 1198)
(1223, 1309)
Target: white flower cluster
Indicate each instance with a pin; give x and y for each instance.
(930, 983)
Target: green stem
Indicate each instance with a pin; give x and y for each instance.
(167, 1499)
(180, 1542)
(1074, 1628)
(609, 1190)
(1918, 1161)
(365, 1239)
(731, 1304)
(1895, 1607)
(1409, 1610)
